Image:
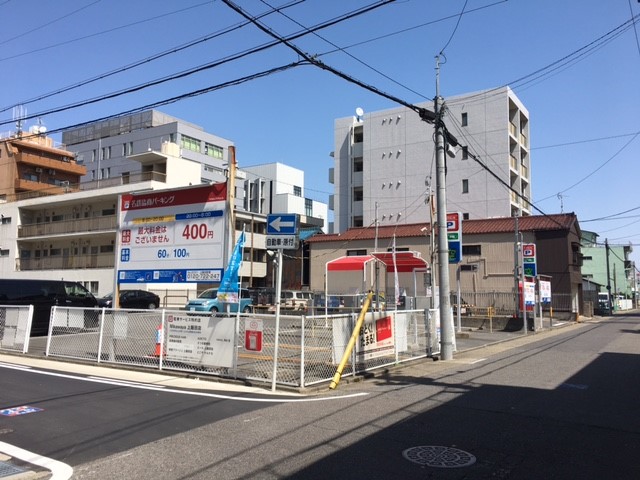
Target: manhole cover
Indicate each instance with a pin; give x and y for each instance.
(440, 457)
(6, 469)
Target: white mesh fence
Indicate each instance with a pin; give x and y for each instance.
(309, 349)
(15, 327)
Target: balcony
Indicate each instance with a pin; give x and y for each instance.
(69, 262)
(94, 224)
(42, 161)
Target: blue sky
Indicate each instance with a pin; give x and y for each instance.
(583, 110)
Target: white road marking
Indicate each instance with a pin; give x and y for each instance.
(59, 470)
(187, 392)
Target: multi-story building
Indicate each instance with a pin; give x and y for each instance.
(608, 265)
(32, 165)
(385, 162)
(106, 147)
(279, 188)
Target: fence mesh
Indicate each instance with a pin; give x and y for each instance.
(15, 325)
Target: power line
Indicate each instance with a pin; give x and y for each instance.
(66, 42)
(146, 60)
(39, 27)
(194, 70)
(425, 114)
(455, 29)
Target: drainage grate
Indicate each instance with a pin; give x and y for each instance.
(6, 470)
(440, 457)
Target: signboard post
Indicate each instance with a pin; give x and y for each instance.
(529, 260)
(282, 233)
(454, 236)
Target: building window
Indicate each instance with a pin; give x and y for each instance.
(465, 216)
(93, 155)
(465, 186)
(124, 149)
(357, 221)
(358, 164)
(4, 252)
(5, 220)
(356, 253)
(297, 191)
(189, 143)
(106, 249)
(475, 250)
(308, 207)
(358, 195)
(465, 119)
(465, 153)
(212, 150)
(358, 135)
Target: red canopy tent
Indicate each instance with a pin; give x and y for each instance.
(402, 262)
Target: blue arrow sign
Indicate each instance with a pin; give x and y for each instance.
(282, 224)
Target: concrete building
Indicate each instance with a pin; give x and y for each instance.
(279, 188)
(106, 148)
(32, 165)
(385, 162)
(598, 261)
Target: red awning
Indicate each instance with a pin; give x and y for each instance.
(404, 261)
(349, 263)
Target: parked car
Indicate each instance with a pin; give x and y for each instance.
(44, 294)
(207, 301)
(296, 299)
(132, 299)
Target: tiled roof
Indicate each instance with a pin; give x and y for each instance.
(563, 221)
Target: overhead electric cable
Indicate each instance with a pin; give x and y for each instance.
(95, 34)
(192, 71)
(51, 22)
(424, 113)
(455, 28)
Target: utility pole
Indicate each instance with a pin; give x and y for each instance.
(446, 322)
(606, 247)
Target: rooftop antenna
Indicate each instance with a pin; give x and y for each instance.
(359, 114)
(19, 114)
(560, 197)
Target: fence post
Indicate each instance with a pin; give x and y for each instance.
(101, 334)
(303, 319)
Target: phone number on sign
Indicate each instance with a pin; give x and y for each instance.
(198, 275)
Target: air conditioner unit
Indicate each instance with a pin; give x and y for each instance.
(38, 170)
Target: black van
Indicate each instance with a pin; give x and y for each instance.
(44, 294)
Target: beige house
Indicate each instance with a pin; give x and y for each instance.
(488, 256)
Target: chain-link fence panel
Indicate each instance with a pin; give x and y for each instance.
(15, 327)
(74, 333)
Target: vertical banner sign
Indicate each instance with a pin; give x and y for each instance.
(171, 236)
(454, 236)
(228, 291)
(529, 259)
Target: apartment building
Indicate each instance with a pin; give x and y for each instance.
(106, 147)
(384, 162)
(33, 165)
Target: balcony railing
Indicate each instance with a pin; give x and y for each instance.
(69, 226)
(70, 262)
(92, 185)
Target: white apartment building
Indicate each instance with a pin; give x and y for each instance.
(279, 188)
(105, 147)
(385, 162)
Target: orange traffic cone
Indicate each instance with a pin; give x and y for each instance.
(158, 351)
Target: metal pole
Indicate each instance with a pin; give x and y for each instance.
(276, 340)
(610, 304)
(446, 322)
(524, 302)
(458, 298)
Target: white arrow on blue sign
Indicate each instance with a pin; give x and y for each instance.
(282, 224)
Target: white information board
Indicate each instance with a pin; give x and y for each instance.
(201, 340)
(172, 236)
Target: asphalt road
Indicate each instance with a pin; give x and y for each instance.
(560, 404)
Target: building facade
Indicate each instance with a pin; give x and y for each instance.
(32, 165)
(488, 245)
(384, 162)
